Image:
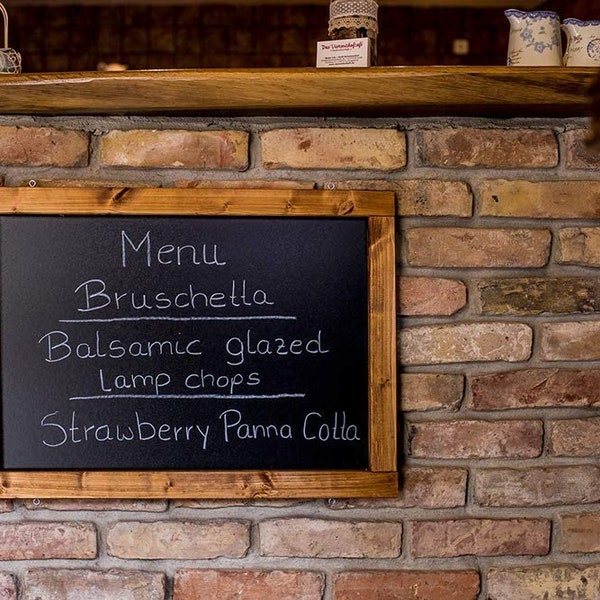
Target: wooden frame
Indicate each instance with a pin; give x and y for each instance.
(380, 479)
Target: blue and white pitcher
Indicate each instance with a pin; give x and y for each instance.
(534, 38)
(583, 43)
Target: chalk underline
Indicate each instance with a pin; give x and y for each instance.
(190, 396)
(239, 318)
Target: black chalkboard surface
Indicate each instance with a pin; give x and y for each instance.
(143, 342)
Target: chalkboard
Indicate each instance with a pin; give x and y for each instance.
(141, 342)
(136, 342)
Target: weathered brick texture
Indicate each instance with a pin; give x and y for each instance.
(475, 439)
(422, 487)
(482, 537)
(420, 197)
(571, 340)
(176, 149)
(430, 391)
(574, 437)
(43, 146)
(407, 585)
(468, 342)
(430, 296)
(578, 154)
(64, 584)
(579, 245)
(472, 247)
(251, 585)
(8, 587)
(177, 539)
(498, 148)
(540, 199)
(328, 539)
(538, 295)
(579, 532)
(535, 388)
(323, 148)
(534, 583)
(44, 540)
(538, 486)
(498, 314)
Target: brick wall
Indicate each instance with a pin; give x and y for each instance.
(499, 342)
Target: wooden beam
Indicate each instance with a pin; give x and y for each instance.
(376, 91)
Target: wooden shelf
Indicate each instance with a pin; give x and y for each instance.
(378, 91)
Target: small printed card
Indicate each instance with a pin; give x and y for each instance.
(343, 53)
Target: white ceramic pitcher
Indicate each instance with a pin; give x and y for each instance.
(534, 38)
(583, 43)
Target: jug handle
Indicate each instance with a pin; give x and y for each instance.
(5, 18)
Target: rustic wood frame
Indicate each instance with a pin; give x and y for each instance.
(381, 479)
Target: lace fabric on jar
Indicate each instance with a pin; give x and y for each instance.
(350, 19)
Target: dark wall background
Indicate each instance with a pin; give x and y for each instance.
(75, 38)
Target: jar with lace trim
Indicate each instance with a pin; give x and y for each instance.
(349, 19)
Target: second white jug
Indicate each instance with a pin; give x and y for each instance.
(534, 38)
(583, 43)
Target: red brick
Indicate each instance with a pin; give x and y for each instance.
(178, 539)
(249, 585)
(43, 146)
(8, 587)
(578, 154)
(544, 582)
(176, 149)
(579, 533)
(430, 391)
(540, 199)
(421, 197)
(535, 388)
(471, 247)
(418, 296)
(574, 437)
(63, 584)
(579, 245)
(406, 585)
(421, 487)
(339, 148)
(482, 537)
(570, 340)
(42, 540)
(320, 538)
(539, 486)
(465, 342)
(495, 148)
(475, 439)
